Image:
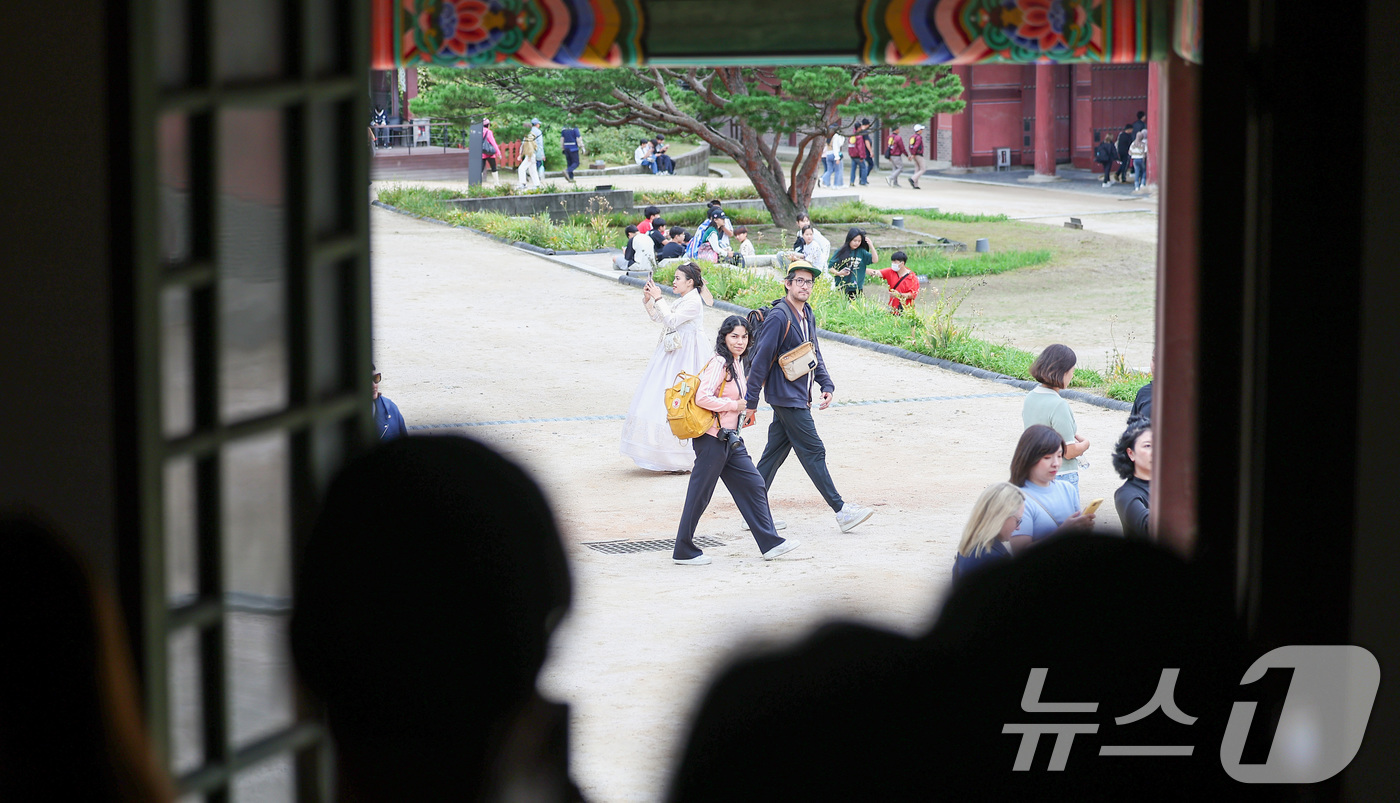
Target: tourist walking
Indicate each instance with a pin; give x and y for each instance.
(720, 453)
(1125, 141)
(986, 538)
(828, 163)
(529, 172)
(849, 264)
(489, 151)
(1138, 153)
(1053, 368)
(838, 144)
(571, 143)
(1049, 504)
(895, 150)
(790, 324)
(646, 435)
(537, 131)
(858, 147)
(916, 151)
(1132, 459)
(1105, 153)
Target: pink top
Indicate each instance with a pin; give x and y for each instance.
(729, 402)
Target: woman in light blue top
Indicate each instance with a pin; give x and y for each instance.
(1053, 369)
(1050, 505)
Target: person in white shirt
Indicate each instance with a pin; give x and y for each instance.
(644, 156)
(838, 142)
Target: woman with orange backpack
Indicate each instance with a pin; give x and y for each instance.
(720, 453)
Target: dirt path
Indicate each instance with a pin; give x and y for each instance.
(457, 319)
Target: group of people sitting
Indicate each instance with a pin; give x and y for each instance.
(1041, 496)
(651, 154)
(718, 240)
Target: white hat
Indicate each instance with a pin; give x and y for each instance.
(918, 126)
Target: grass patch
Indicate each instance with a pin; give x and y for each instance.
(698, 194)
(935, 263)
(414, 194)
(596, 232)
(930, 330)
(947, 217)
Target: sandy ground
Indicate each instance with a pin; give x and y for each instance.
(470, 331)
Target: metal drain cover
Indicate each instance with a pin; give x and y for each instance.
(633, 547)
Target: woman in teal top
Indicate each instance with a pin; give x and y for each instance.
(1054, 369)
(848, 264)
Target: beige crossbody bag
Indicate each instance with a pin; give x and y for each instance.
(797, 363)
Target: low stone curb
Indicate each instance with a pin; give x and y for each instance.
(837, 337)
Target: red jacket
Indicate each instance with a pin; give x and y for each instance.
(856, 147)
(897, 145)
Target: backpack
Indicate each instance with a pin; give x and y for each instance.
(692, 248)
(755, 320)
(1107, 152)
(687, 419)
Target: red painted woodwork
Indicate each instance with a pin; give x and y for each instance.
(1086, 98)
(1044, 120)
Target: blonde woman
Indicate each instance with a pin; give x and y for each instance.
(996, 514)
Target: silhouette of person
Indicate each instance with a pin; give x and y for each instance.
(426, 595)
(857, 713)
(70, 724)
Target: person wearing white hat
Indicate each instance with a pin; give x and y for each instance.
(916, 149)
(538, 133)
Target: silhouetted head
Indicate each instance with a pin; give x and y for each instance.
(69, 720)
(427, 592)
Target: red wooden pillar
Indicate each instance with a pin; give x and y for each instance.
(1154, 119)
(1176, 390)
(1045, 119)
(962, 122)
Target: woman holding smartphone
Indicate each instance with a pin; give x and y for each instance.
(1050, 505)
(1054, 369)
(720, 453)
(646, 436)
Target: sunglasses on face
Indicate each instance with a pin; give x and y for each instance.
(377, 376)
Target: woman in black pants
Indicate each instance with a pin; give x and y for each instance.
(720, 453)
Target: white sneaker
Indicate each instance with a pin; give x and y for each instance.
(698, 560)
(852, 515)
(778, 524)
(782, 549)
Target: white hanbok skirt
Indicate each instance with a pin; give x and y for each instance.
(646, 437)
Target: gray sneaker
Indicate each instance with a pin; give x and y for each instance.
(782, 549)
(778, 524)
(852, 515)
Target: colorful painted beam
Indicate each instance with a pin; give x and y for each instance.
(614, 33)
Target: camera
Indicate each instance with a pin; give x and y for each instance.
(730, 438)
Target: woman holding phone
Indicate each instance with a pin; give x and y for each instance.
(849, 264)
(1053, 368)
(646, 436)
(1050, 505)
(720, 453)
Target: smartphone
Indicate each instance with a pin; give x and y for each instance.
(1093, 506)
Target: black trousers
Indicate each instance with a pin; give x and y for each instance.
(1107, 171)
(794, 430)
(1123, 164)
(714, 461)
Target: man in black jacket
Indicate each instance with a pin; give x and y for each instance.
(789, 324)
(1125, 141)
(1104, 153)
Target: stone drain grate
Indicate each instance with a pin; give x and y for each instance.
(634, 547)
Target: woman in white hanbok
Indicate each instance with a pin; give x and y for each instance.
(646, 437)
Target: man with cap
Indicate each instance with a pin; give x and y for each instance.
(538, 134)
(790, 323)
(916, 150)
(896, 150)
(571, 142)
